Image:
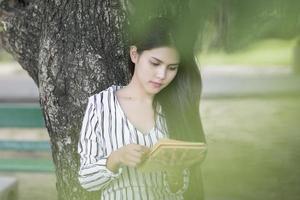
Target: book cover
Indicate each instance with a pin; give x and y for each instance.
(168, 153)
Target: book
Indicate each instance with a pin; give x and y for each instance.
(167, 153)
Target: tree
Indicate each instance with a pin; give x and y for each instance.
(239, 23)
(73, 49)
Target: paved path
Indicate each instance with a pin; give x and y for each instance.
(18, 88)
(230, 82)
(218, 82)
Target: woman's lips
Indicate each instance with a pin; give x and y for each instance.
(155, 84)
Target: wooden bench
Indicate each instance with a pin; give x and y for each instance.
(23, 115)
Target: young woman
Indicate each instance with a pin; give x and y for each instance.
(122, 123)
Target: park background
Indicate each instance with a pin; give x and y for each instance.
(250, 109)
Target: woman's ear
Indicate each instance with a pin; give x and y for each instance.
(133, 54)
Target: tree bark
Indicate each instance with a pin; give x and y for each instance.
(72, 49)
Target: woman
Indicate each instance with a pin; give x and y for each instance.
(122, 123)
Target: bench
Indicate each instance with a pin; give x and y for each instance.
(21, 115)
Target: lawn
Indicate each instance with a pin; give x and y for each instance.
(253, 149)
(253, 152)
(34, 186)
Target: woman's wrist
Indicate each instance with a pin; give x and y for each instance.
(113, 163)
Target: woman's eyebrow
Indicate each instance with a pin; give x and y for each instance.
(163, 62)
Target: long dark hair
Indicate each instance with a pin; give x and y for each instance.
(180, 99)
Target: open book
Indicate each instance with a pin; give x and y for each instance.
(168, 153)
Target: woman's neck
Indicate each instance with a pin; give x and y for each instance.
(136, 92)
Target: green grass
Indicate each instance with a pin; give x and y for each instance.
(271, 52)
(253, 149)
(253, 152)
(34, 186)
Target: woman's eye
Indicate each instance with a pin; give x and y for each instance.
(173, 68)
(155, 64)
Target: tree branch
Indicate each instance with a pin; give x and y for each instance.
(21, 21)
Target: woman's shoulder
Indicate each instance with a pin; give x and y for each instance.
(106, 93)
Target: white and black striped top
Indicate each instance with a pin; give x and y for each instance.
(105, 128)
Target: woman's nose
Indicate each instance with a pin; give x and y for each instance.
(161, 73)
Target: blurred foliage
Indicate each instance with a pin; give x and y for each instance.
(190, 16)
(238, 23)
(225, 24)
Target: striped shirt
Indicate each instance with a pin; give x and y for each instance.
(105, 128)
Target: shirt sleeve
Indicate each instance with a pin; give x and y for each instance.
(93, 173)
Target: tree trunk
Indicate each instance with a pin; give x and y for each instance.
(72, 49)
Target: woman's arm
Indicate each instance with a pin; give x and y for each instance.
(93, 173)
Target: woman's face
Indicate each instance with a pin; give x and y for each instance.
(155, 68)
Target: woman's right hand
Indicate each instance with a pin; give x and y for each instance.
(130, 155)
